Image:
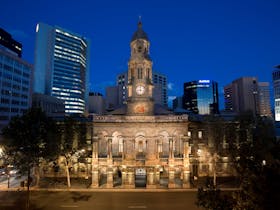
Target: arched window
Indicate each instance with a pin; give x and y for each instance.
(140, 146)
(140, 73)
(120, 145)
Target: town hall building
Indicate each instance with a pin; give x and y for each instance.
(141, 139)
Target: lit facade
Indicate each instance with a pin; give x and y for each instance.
(140, 140)
(8, 43)
(247, 94)
(61, 66)
(201, 97)
(141, 144)
(159, 91)
(15, 86)
(264, 99)
(276, 89)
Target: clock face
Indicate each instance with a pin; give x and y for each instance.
(140, 90)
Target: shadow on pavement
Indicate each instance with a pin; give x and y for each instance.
(76, 196)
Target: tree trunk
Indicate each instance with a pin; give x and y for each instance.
(28, 190)
(67, 173)
(37, 174)
(214, 170)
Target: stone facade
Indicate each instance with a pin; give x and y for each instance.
(155, 145)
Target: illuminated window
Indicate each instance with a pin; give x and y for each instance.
(120, 145)
(200, 134)
(159, 146)
(140, 146)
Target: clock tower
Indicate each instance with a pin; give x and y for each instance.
(140, 85)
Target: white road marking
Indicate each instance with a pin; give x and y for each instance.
(69, 206)
(137, 207)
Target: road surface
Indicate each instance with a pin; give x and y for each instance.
(43, 200)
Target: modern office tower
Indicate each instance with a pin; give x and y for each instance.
(228, 97)
(276, 89)
(242, 95)
(264, 99)
(96, 103)
(177, 102)
(61, 66)
(122, 87)
(15, 83)
(201, 97)
(51, 105)
(112, 98)
(8, 43)
(159, 91)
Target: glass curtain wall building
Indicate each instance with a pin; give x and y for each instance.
(276, 89)
(201, 97)
(15, 86)
(61, 66)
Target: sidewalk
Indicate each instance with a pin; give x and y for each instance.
(83, 185)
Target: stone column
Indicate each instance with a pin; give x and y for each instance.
(186, 162)
(130, 178)
(94, 165)
(124, 178)
(157, 148)
(95, 178)
(186, 179)
(110, 181)
(171, 177)
(109, 150)
(124, 149)
(157, 176)
(171, 152)
(151, 179)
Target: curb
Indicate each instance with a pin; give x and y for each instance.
(109, 190)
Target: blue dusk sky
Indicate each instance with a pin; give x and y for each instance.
(199, 39)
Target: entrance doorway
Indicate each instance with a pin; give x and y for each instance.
(140, 177)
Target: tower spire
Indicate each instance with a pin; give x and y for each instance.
(140, 22)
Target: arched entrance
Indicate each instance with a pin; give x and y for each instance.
(140, 177)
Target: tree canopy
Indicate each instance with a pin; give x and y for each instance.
(31, 137)
(255, 153)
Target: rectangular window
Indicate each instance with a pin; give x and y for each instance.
(200, 134)
(120, 146)
(140, 73)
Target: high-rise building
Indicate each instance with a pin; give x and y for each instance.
(8, 43)
(96, 103)
(264, 99)
(61, 66)
(112, 98)
(276, 89)
(177, 102)
(159, 91)
(242, 95)
(201, 97)
(15, 81)
(122, 88)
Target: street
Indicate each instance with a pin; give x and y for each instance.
(42, 200)
(13, 182)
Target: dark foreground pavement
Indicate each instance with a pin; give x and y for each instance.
(63, 200)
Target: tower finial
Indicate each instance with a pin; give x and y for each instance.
(140, 22)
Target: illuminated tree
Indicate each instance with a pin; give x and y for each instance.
(72, 142)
